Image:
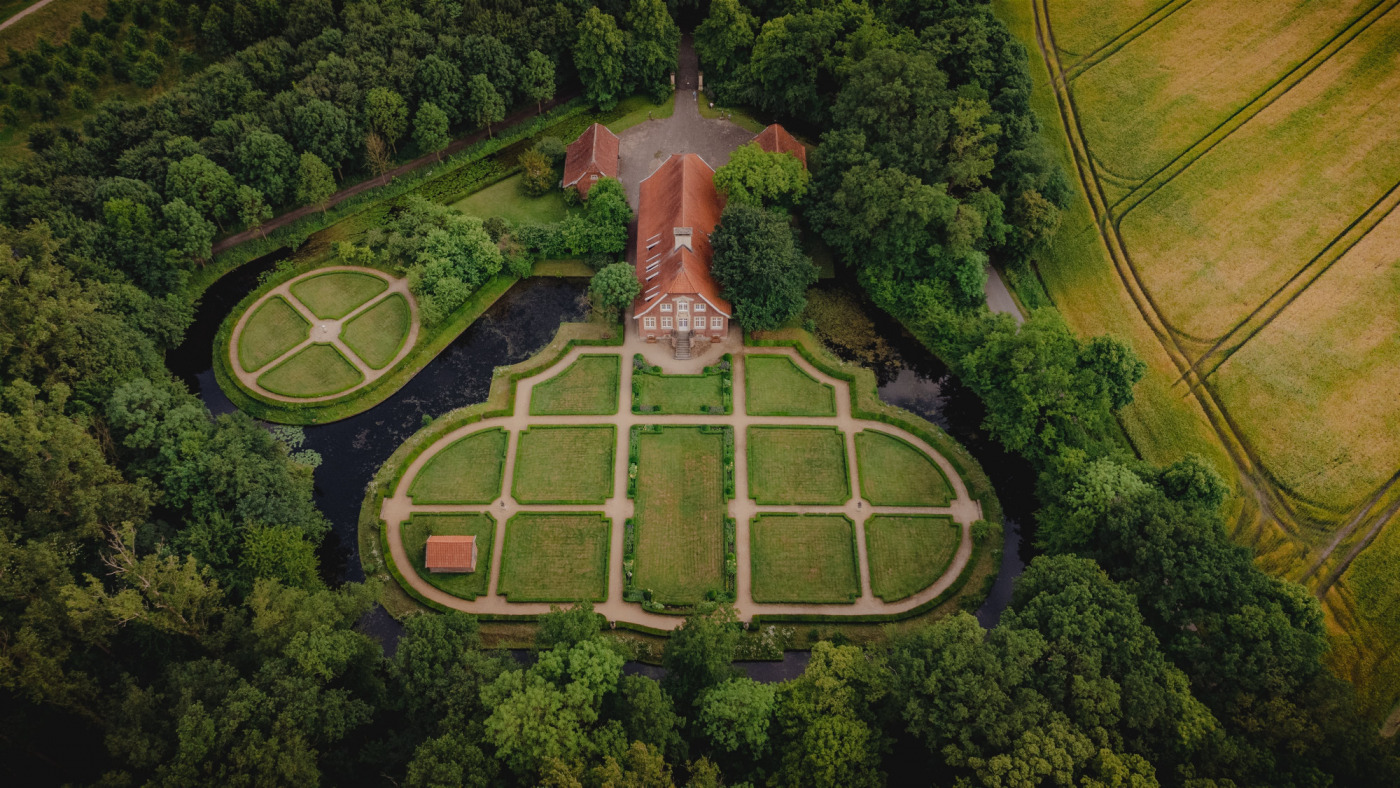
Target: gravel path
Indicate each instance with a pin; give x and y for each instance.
(24, 13)
(619, 507)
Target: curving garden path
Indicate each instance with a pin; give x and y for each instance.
(324, 331)
(619, 507)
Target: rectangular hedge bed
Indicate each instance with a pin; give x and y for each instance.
(468, 471)
(798, 465)
(680, 513)
(909, 552)
(709, 392)
(775, 386)
(588, 387)
(555, 557)
(467, 585)
(564, 465)
(804, 559)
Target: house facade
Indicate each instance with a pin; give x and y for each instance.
(589, 158)
(680, 300)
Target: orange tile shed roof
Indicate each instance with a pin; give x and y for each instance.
(595, 149)
(681, 193)
(450, 552)
(776, 139)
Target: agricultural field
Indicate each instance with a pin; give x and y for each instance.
(894, 473)
(468, 471)
(1240, 174)
(907, 553)
(820, 477)
(467, 585)
(572, 465)
(680, 511)
(588, 387)
(804, 558)
(775, 386)
(555, 558)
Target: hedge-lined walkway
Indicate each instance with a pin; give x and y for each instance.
(321, 331)
(619, 507)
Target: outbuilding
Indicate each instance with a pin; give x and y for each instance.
(590, 157)
(451, 554)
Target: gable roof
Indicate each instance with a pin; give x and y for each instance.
(451, 552)
(595, 149)
(679, 195)
(776, 139)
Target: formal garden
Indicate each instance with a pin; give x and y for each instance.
(600, 472)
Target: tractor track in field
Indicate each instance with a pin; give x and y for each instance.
(1296, 285)
(1236, 446)
(1341, 568)
(1240, 117)
(1124, 38)
(1270, 493)
(1346, 531)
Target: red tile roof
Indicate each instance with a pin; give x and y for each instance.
(776, 139)
(595, 150)
(679, 195)
(453, 553)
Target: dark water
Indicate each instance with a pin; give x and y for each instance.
(518, 325)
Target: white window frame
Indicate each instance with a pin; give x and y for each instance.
(699, 307)
(666, 307)
(683, 306)
(665, 322)
(649, 322)
(716, 323)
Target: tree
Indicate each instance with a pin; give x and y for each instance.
(253, 210)
(769, 180)
(265, 161)
(614, 288)
(430, 129)
(537, 78)
(439, 82)
(1116, 365)
(315, 184)
(377, 156)
(386, 114)
(598, 56)
(724, 40)
(735, 717)
(323, 129)
(567, 627)
(203, 185)
(538, 176)
(186, 234)
(652, 40)
(484, 104)
(758, 264)
(699, 655)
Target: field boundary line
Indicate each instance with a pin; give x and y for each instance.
(1122, 39)
(1304, 278)
(1232, 439)
(1240, 117)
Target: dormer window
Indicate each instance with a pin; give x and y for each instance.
(683, 238)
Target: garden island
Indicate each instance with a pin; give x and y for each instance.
(696, 393)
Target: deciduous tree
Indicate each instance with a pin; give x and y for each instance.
(315, 184)
(598, 56)
(614, 288)
(758, 264)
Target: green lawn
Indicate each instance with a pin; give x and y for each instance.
(555, 558)
(587, 388)
(508, 200)
(378, 333)
(678, 394)
(798, 465)
(335, 294)
(468, 471)
(271, 331)
(895, 473)
(908, 553)
(680, 514)
(317, 371)
(804, 558)
(467, 585)
(774, 386)
(564, 465)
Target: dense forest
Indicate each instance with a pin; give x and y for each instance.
(163, 616)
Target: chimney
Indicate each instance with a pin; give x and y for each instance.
(683, 238)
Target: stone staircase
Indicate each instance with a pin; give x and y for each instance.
(683, 346)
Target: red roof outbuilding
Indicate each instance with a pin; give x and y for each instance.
(451, 554)
(590, 157)
(776, 139)
(679, 208)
